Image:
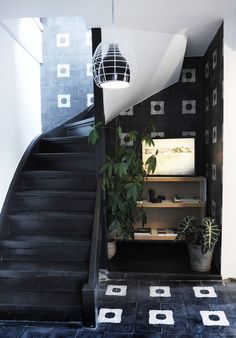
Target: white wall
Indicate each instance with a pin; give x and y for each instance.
(159, 59)
(20, 109)
(229, 151)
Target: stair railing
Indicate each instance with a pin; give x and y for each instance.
(89, 289)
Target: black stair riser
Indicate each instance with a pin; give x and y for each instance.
(82, 227)
(63, 164)
(80, 130)
(43, 284)
(84, 183)
(70, 147)
(57, 253)
(37, 313)
(34, 203)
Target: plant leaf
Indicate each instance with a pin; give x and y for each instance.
(210, 234)
(151, 164)
(93, 136)
(186, 226)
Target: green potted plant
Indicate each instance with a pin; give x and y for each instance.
(123, 175)
(201, 238)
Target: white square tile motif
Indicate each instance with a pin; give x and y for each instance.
(116, 290)
(109, 315)
(159, 291)
(213, 208)
(214, 59)
(63, 40)
(214, 172)
(214, 97)
(214, 135)
(189, 75)
(63, 101)
(189, 133)
(204, 292)
(89, 69)
(188, 106)
(206, 70)
(157, 107)
(206, 103)
(157, 134)
(63, 70)
(212, 318)
(164, 317)
(127, 112)
(207, 136)
(90, 99)
(125, 140)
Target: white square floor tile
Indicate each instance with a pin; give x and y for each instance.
(161, 317)
(211, 318)
(159, 291)
(109, 315)
(116, 290)
(203, 292)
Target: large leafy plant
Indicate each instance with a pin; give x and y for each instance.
(123, 175)
(204, 234)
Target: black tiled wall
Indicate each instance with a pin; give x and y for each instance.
(213, 73)
(66, 74)
(177, 111)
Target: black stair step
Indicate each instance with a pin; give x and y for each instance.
(27, 222)
(44, 248)
(41, 283)
(80, 128)
(58, 180)
(42, 306)
(53, 200)
(63, 161)
(19, 269)
(66, 144)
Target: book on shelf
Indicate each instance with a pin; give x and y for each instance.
(143, 231)
(167, 232)
(186, 199)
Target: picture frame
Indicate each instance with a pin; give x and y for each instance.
(175, 156)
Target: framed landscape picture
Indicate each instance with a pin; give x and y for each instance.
(175, 157)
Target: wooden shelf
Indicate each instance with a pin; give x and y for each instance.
(154, 237)
(170, 204)
(175, 179)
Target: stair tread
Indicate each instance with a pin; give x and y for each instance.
(57, 173)
(44, 239)
(78, 123)
(50, 214)
(11, 268)
(56, 193)
(64, 138)
(40, 298)
(64, 155)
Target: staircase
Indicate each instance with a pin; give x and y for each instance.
(47, 229)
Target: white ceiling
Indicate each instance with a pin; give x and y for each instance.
(198, 18)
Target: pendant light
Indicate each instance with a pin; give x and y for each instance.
(113, 63)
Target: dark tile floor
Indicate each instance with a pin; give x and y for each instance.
(148, 309)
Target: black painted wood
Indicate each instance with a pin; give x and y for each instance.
(48, 224)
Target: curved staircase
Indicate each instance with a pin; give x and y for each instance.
(47, 227)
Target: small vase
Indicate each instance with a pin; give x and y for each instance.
(111, 249)
(200, 262)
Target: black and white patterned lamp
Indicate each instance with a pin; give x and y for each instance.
(113, 63)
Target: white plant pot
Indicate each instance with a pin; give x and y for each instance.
(111, 249)
(198, 261)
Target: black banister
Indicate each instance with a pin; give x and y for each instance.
(89, 289)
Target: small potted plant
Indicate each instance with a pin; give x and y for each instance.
(201, 238)
(123, 174)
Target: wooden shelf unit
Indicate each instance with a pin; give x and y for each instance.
(158, 217)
